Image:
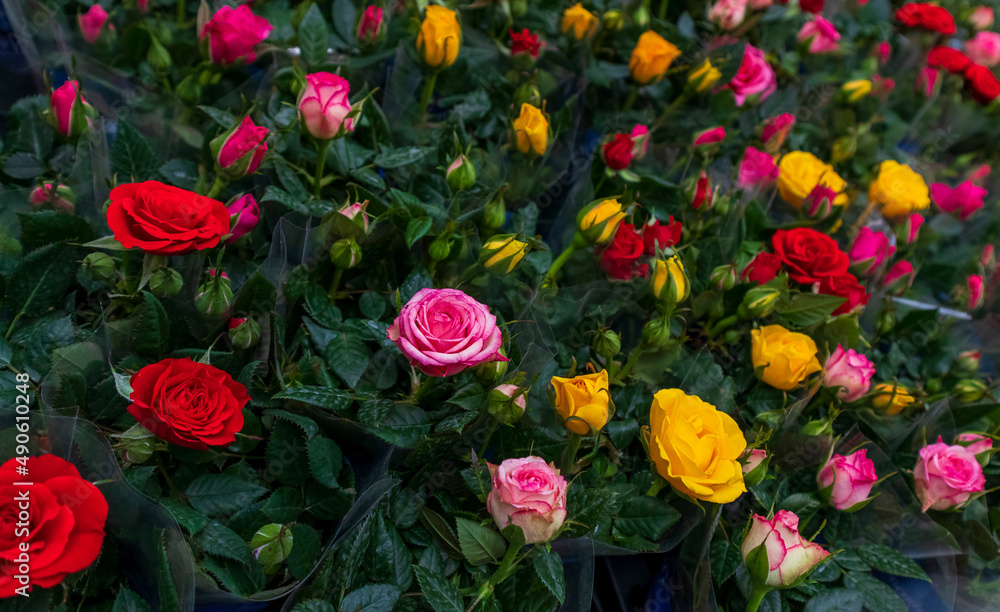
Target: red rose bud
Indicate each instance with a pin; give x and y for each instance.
(356, 213)
(811, 6)
(656, 236)
(92, 23)
(988, 260)
(882, 51)
(819, 203)
(869, 251)
(239, 151)
(323, 106)
(370, 27)
(762, 269)
(882, 86)
(233, 34)
(775, 131)
(908, 231)
(926, 16)
(928, 81)
(345, 253)
(59, 197)
(723, 277)
(618, 152)
(461, 174)
(68, 110)
(244, 333)
(978, 175)
(244, 214)
(899, 278)
(640, 140)
(967, 363)
(982, 83)
(620, 259)
(215, 296)
(710, 137)
(974, 292)
(701, 195)
(524, 43)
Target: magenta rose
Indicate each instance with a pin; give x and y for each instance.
(789, 555)
(775, 131)
(58, 196)
(244, 215)
(820, 35)
(239, 151)
(323, 105)
(870, 250)
(444, 331)
(233, 34)
(947, 475)
(899, 277)
(92, 23)
(68, 110)
(908, 231)
(755, 77)
(977, 444)
(984, 48)
(640, 140)
(818, 203)
(974, 291)
(528, 493)
(850, 479)
(850, 371)
(757, 169)
(370, 27)
(927, 81)
(963, 200)
(711, 136)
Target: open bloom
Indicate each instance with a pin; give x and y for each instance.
(976, 443)
(728, 14)
(582, 401)
(947, 475)
(869, 251)
(620, 258)
(982, 83)
(165, 220)
(850, 477)
(820, 35)
(754, 77)
(657, 236)
(848, 371)
(984, 48)
(757, 169)
(844, 285)
(233, 34)
(899, 190)
(762, 268)
(789, 555)
(528, 493)
(963, 200)
(952, 60)
(92, 23)
(524, 42)
(531, 130)
(323, 105)
(926, 16)
(783, 358)
(800, 172)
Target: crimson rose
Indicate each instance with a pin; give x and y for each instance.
(846, 286)
(926, 16)
(762, 269)
(658, 236)
(621, 257)
(618, 152)
(952, 60)
(165, 220)
(980, 80)
(809, 255)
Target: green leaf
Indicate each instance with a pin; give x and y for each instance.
(314, 37)
(348, 356)
(34, 135)
(479, 544)
(257, 296)
(307, 425)
(314, 605)
(440, 527)
(343, 21)
(305, 552)
(181, 173)
(388, 557)
(417, 229)
(329, 399)
(128, 601)
(225, 119)
(725, 559)
(371, 598)
(217, 539)
(645, 517)
(169, 600)
(441, 594)
(48, 226)
(836, 600)
(877, 594)
(372, 305)
(284, 505)
(42, 280)
(403, 156)
(549, 568)
(891, 561)
(221, 493)
(325, 461)
(757, 564)
(132, 157)
(805, 309)
(151, 333)
(23, 166)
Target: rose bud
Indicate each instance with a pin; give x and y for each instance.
(651, 58)
(703, 77)
(757, 170)
(928, 81)
(640, 140)
(981, 17)
(461, 174)
(850, 371)
(759, 302)
(819, 35)
(98, 267)
(787, 555)
(977, 444)
(503, 253)
(528, 493)
(946, 476)
(669, 283)
(370, 27)
(214, 296)
(728, 14)
(507, 403)
(531, 130)
(967, 363)
(526, 93)
(775, 131)
(599, 220)
(495, 213)
(524, 47)
(974, 292)
(818, 203)
(856, 90)
(68, 110)
(157, 56)
(847, 481)
(909, 229)
(656, 333)
(762, 269)
(657, 236)
(439, 38)
(969, 390)
(239, 151)
(345, 253)
(136, 444)
(882, 86)
(440, 247)
(578, 23)
(607, 344)
(583, 401)
(613, 20)
(166, 282)
(271, 545)
(489, 373)
(723, 277)
(869, 251)
(323, 106)
(142, 5)
(754, 466)
(882, 52)
(988, 260)
(232, 35)
(244, 214)
(244, 333)
(979, 173)
(356, 212)
(709, 137)
(899, 278)
(59, 197)
(844, 148)
(890, 399)
(92, 23)
(702, 194)
(618, 152)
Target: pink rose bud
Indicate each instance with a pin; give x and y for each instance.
(975, 293)
(755, 77)
(757, 170)
(820, 35)
(371, 26)
(909, 229)
(882, 86)
(701, 195)
(963, 200)
(978, 175)
(640, 140)
(947, 475)
(752, 458)
(981, 17)
(850, 371)
(899, 278)
(444, 331)
(728, 14)
(520, 401)
(323, 106)
(984, 48)
(356, 213)
(819, 203)
(870, 250)
(850, 479)
(968, 361)
(709, 137)
(928, 80)
(244, 214)
(92, 23)
(59, 197)
(988, 260)
(789, 555)
(68, 110)
(775, 131)
(882, 52)
(233, 34)
(528, 493)
(239, 151)
(977, 444)
(143, 5)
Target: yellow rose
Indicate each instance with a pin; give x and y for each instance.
(669, 270)
(787, 357)
(531, 129)
(890, 399)
(704, 76)
(503, 253)
(578, 22)
(440, 37)
(598, 221)
(856, 90)
(899, 190)
(651, 58)
(696, 447)
(799, 172)
(584, 397)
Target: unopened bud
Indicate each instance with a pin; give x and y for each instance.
(345, 253)
(607, 344)
(491, 371)
(165, 282)
(495, 213)
(98, 267)
(136, 444)
(244, 333)
(886, 321)
(613, 20)
(189, 90)
(969, 390)
(271, 545)
(461, 174)
(656, 333)
(723, 277)
(967, 363)
(761, 301)
(440, 248)
(507, 403)
(669, 283)
(844, 148)
(527, 93)
(157, 56)
(502, 253)
(215, 296)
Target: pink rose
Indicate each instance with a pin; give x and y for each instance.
(927, 81)
(974, 292)
(371, 26)
(752, 458)
(233, 34)
(820, 34)
(244, 214)
(711, 136)
(818, 203)
(946, 476)
(976, 444)
(757, 169)
(882, 52)
(965, 199)
(755, 76)
(789, 555)
(356, 212)
(984, 48)
(851, 478)
(908, 231)
(759, 5)
(640, 140)
(239, 151)
(444, 331)
(981, 17)
(988, 258)
(528, 493)
(775, 131)
(980, 173)
(850, 371)
(520, 401)
(59, 197)
(899, 277)
(728, 14)
(69, 109)
(323, 105)
(92, 22)
(870, 250)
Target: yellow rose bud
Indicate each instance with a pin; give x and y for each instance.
(855, 90)
(890, 398)
(696, 447)
(899, 190)
(440, 37)
(613, 20)
(598, 221)
(786, 357)
(578, 22)
(799, 172)
(503, 253)
(651, 58)
(584, 397)
(704, 76)
(669, 283)
(531, 130)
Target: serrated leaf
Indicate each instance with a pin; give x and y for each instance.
(128, 601)
(343, 16)
(181, 173)
(548, 566)
(877, 594)
(45, 227)
(151, 334)
(314, 605)
(891, 561)
(305, 553)
(221, 494)
(132, 157)
(645, 517)
(403, 156)
(805, 309)
(480, 545)
(123, 385)
(23, 166)
(217, 539)
(372, 304)
(225, 119)
(284, 505)
(348, 356)
(725, 559)
(330, 399)
(371, 598)
(417, 229)
(441, 594)
(314, 36)
(165, 587)
(836, 600)
(325, 461)
(42, 279)
(307, 425)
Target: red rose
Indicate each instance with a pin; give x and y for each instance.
(980, 80)
(809, 255)
(762, 269)
(618, 152)
(194, 405)
(524, 42)
(926, 16)
(811, 6)
(846, 286)
(702, 194)
(952, 60)
(658, 236)
(620, 260)
(65, 527)
(165, 220)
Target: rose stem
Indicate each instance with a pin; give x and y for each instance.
(332, 293)
(425, 98)
(569, 454)
(217, 186)
(631, 98)
(550, 276)
(321, 146)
